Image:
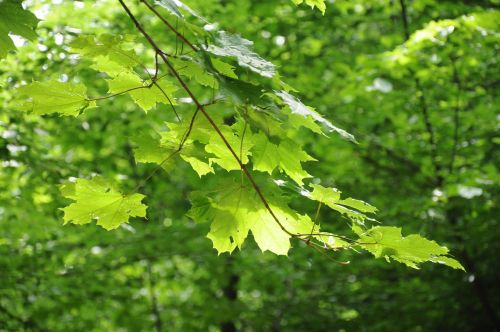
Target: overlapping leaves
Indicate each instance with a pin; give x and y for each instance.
(250, 132)
(235, 211)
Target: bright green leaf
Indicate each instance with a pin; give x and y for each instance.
(265, 154)
(115, 48)
(291, 157)
(194, 70)
(411, 250)
(223, 157)
(148, 149)
(199, 166)
(98, 200)
(358, 205)
(320, 4)
(55, 97)
(144, 94)
(237, 210)
(331, 198)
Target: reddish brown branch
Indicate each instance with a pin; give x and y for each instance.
(167, 23)
(200, 106)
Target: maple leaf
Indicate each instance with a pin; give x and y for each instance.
(388, 242)
(55, 97)
(97, 199)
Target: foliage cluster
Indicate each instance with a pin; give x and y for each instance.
(220, 127)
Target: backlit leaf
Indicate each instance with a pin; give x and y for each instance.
(411, 250)
(331, 198)
(99, 200)
(296, 107)
(145, 94)
(265, 154)
(236, 210)
(55, 97)
(320, 4)
(115, 48)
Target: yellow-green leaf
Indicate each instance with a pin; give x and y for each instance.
(99, 200)
(388, 242)
(320, 4)
(55, 97)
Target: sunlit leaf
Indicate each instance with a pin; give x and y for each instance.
(99, 200)
(411, 250)
(296, 107)
(320, 4)
(231, 45)
(144, 93)
(55, 97)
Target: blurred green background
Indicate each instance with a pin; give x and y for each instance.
(374, 68)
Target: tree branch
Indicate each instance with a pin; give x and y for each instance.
(456, 115)
(201, 108)
(423, 103)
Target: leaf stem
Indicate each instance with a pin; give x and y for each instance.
(116, 94)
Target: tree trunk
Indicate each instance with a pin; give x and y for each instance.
(230, 294)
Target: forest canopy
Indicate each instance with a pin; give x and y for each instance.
(272, 156)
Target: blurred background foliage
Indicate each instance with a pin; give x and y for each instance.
(415, 80)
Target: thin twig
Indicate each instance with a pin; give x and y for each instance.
(117, 94)
(174, 30)
(423, 104)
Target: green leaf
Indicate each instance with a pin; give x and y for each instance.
(296, 107)
(145, 94)
(269, 235)
(331, 198)
(55, 97)
(288, 156)
(265, 155)
(106, 65)
(320, 4)
(194, 70)
(163, 150)
(148, 149)
(236, 210)
(223, 157)
(328, 196)
(224, 68)
(291, 156)
(199, 166)
(228, 232)
(411, 250)
(231, 45)
(358, 205)
(99, 200)
(14, 19)
(115, 48)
